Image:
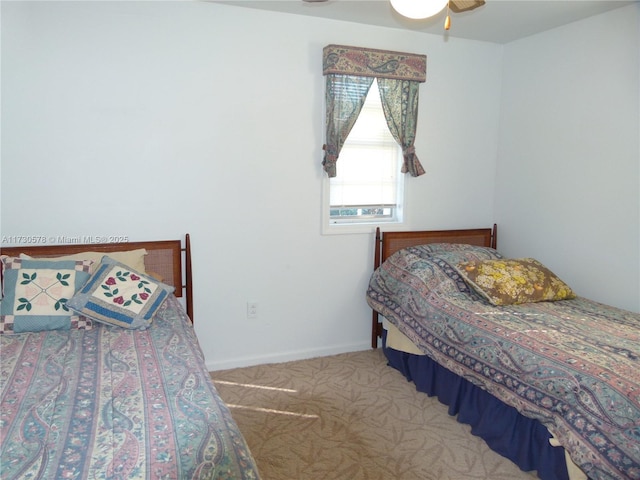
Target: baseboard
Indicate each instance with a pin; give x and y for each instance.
(285, 356)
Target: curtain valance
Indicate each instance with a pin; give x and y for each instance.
(368, 62)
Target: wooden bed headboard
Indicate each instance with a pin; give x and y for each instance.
(390, 242)
(164, 258)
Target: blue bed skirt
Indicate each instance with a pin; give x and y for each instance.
(522, 440)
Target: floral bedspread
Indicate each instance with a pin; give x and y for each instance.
(572, 364)
(113, 403)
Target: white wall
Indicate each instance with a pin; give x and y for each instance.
(153, 119)
(568, 183)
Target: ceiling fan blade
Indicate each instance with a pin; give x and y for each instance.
(464, 5)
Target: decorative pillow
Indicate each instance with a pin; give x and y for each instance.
(36, 294)
(118, 295)
(514, 281)
(132, 258)
(156, 276)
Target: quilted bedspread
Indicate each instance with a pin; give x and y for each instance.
(574, 364)
(112, 403)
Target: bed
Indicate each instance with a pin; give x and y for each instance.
(122, 393)
(552, 384)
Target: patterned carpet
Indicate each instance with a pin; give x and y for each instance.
(351, 417)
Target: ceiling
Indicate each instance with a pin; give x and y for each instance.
(498, 21)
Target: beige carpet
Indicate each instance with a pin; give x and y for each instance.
(351, 417)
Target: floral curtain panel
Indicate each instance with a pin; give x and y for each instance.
(350, 72)
(400, 105)
(345, 95)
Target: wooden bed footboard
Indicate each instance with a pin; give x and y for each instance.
(390, 242)
(164, 259)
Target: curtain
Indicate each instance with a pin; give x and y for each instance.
(400, 105)
(345, 95)
(350, 72)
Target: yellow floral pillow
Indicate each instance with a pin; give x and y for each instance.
(514, 281)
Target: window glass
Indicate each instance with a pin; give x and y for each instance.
(368, 184)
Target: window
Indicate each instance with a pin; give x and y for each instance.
(368, 187)
(380, 155)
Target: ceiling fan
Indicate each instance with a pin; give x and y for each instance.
(421, 9)
(459, 6)
(464, 5)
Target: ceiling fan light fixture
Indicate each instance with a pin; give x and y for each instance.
(418, 9)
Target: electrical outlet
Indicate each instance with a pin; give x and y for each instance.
(252, 310)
